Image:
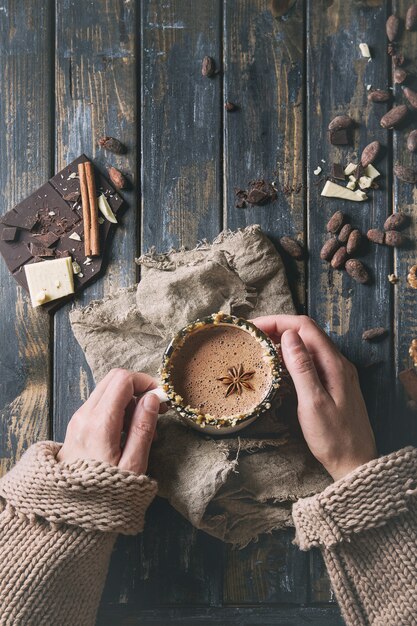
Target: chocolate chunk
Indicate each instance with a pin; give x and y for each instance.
(339, 137)
(48, 239)
(338, 171)
(9, 233)
(72, 196)
(38, 250)
(20, 219)
(359, 171)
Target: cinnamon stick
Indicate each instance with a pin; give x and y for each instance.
(92, 198)
(86, 208)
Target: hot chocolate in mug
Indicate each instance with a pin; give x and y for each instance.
(220, 373)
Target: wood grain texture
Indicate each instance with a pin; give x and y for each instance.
(251, 616)
(404, 427)
(264, 76)
(264, 138)
(26, 147)
(181, 123)
(337, 79)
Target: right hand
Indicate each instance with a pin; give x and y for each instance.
(331, 408)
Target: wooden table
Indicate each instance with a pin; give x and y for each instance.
(72, 71)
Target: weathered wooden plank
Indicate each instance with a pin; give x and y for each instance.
(253, 616)
(337, 82)
(263, 572)
(181, 203)
(403, 429)
(181, 123)
(26, 70)
(263, 139)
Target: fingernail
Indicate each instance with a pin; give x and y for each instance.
(151, 402)
(291, 339)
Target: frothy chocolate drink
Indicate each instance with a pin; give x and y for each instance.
(221, 370)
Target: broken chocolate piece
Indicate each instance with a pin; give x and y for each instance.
(20, 219)
(72, 196)
(38, 250)
(339, 137)
(48, 239)
(9, 233)
(338, 171)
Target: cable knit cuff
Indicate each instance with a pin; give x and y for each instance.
(90, 494)
(366, 498)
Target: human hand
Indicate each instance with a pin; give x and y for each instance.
(331, 409)
(94, 431)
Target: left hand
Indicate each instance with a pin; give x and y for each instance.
(94, 431)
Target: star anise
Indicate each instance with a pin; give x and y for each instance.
(237, 380)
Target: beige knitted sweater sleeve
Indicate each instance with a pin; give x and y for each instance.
(58, 524)
(366, 527)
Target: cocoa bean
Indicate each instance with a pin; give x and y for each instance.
(340, 121)
(208, 67)
(357, 271)
(398, 60)
(406, 174)
(329, 248)
(392, 27)
(112, 145)
(292, 247)
(344, 233)
(376, 236)
(412, 141)
(395, 239)
(354, 242)
(411, 18)
(335, 222)
(400, 76)
(408, 379)
(411, 96)
(379, 95)
(374, 334)
(396, 221)
(339, 258)
(116, 177)
(394, 117)
(370, 153)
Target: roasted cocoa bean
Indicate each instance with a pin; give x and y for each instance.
(392, 27)
(395, 239)
(329, 248)
(400, 76)
(339, 258)
(335, 223)
(208, 67)
(396, 221)
(345, 233)
(112, 145)
(370, 153)
(379, 95)
(411, 18)
(406, 174)
(340, 121)
(411, 96)
(412, 141)
(376, 236)
(292, 247)
(357, 271)
(374, 334)
(354, 242)
(116, 177)
(394, 117)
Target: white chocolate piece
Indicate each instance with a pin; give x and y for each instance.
(75, 236)
(332, 190)
(365, 52)
(349, 169)
(351, 185)
(372, 172)
(76, 267)
(318, 170)
(105, 208)
(365, 182)
(49, 280)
